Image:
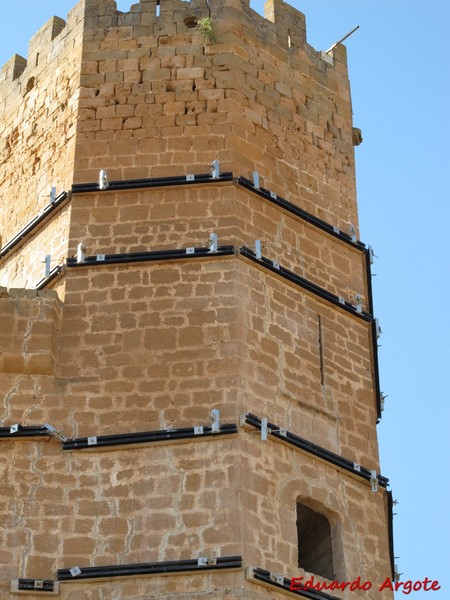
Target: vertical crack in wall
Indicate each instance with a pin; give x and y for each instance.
(6, 415)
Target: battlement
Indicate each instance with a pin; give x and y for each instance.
(42, 50)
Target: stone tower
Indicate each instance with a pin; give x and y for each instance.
(188, 348)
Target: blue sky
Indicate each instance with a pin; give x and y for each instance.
(400, 77)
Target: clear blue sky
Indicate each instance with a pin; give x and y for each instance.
(400, 75)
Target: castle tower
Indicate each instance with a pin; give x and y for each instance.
(189, 351)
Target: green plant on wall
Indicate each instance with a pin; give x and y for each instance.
(206, 27)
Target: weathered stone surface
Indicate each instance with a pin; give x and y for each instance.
(148, 346)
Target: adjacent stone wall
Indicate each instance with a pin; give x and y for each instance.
(25, 267)
(38, 111)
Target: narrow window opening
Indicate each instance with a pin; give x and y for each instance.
(30, 85)
(158, 8)
(289, 39)
(37, 58)
(314, 542)
(321, 359)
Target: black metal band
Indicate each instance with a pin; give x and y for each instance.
(302, 444)
(133, 184)
(157, 568)
(300, 213)
(147, 437)
(30, 228)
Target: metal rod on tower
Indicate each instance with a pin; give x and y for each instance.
(341, 40)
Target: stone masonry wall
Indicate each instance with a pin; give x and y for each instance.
(26, 267)
(157, 345)
(152, 346)
(157, 98)
(179, 217)
(29, 327)
(38, 108)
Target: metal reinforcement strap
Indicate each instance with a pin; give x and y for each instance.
(19, 432)
(276, 268)
(153, 256)
(197, 565)
(294, 440)
(133, 184)
(300, 213)
(105, 442)
(31, 227)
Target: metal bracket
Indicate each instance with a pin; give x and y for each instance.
(264, 429)
(215, 169)
(374, 481)
(378, 330)
(276, 578)
(44, 587)
(214, 242)
(57, 433)
(206, 561)
(103, 183)
(81, 252)
(215, 421)
(48, 264)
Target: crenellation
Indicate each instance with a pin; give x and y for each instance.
(13, 69)
(41, 40)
